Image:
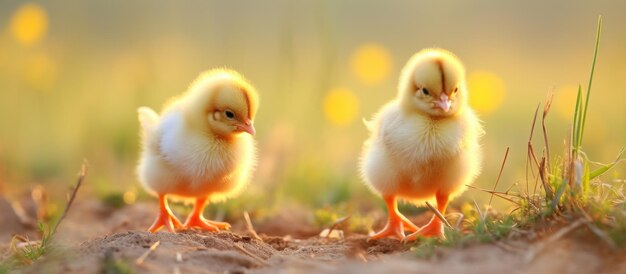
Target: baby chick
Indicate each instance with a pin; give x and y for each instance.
(200, 147)
(424, 143)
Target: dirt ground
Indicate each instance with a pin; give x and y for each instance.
(93, 238)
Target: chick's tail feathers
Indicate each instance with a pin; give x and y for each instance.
(148, 119)
(369, 124)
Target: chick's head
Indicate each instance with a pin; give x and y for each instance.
(226, 102)
(433, 83)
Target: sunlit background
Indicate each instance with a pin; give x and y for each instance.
(72, 74)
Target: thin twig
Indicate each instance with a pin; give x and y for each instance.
(459, 221)
(532, 253)
(546, 109)
(255, 257)
(508, 247)
(602, 236)
(249, 226)
(542, 176)
(530, 145)
(482, 217)
(497, 194)
(597, 231)
(533, 157)
(362, 257)
(510, 187)
(337, 223)
(492, 191)
(81, 178)
(439, 215)
(506, 154)
(535, 187)
(145, 255)
(20, 212)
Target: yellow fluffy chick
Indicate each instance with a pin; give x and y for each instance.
(200, 147)
(424, 143)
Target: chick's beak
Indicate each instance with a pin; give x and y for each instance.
(246, 126)
(443, 102)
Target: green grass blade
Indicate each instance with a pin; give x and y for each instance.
(585, 181)
(593, 67)
(559, 194)
(576, 125)
(603, 169)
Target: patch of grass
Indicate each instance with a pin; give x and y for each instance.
(113, 199)
(25, 252)
(328, 215)
(566, 188)
(110, 265)
(6, 266)
(33, 250)
(474, 227)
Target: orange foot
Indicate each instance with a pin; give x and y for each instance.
(165, 218)
(396, 224)
(196, 219)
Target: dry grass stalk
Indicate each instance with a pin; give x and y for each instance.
(508, 247)
(597, 231)
(25, 218)
(506, 154)
(439, 215)
(602, 235)
(530, 148)
(249, 226)
(546, 109)
(480, 213)
(362, 257)
(532, 253)
(250, 254)
(81, 178)
(145, 255)
(336, 224)
(40, 198)
(498, 194)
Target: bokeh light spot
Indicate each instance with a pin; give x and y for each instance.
(340, 106)
(565, 101)
(29, 24)
(129, 197)
(486, 91)
(371, 63)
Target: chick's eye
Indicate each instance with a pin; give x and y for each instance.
(425, 91)
(455, 90)
(229, 114)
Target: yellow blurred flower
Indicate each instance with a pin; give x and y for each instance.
(340, 106)
(40, 72)
(565, 101)
(371, 63)
(486, 91)
(29, 24)
(129, 197)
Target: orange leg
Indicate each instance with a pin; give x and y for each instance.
(196, 219)
(396, 224)
(165, 218)
(434, 228)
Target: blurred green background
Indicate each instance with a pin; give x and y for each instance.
(72, 74)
